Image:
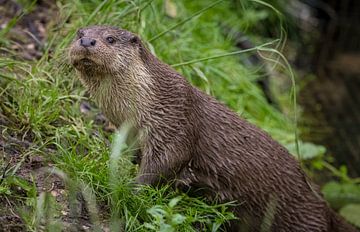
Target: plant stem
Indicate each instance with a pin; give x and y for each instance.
(223, 55)
(183, 21)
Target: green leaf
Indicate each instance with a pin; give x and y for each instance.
(156, 211)
(4, 190)
(351, 213)
(341, 194)
(177, 219)
(307, 150)
(173, 202)
(149, 226)
(166, 228)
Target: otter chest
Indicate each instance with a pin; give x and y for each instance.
(115, 103)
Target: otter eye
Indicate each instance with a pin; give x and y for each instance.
(134, 39)
(110, 39)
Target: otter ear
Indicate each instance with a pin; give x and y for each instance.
(134, 39)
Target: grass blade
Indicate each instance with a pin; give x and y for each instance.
(184, 21)
(224, 55)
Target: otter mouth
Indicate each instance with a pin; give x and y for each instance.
(86, 62)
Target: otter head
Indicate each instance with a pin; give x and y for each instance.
(111, 64)
(101, 50)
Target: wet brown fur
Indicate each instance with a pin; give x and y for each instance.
(193, 140)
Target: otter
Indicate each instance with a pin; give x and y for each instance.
(188, 138)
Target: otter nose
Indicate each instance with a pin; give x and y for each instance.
(87, 42)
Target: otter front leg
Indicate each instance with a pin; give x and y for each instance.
(160, 167)
(149, 174)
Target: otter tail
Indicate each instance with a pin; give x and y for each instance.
(338, 224)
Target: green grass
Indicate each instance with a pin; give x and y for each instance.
(41, 99)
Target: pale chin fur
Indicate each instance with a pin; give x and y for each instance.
(124, 95)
